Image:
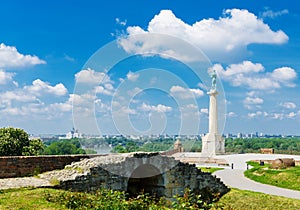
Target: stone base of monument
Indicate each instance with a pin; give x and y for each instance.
(212, 145)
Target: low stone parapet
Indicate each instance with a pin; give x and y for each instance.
(20, 166)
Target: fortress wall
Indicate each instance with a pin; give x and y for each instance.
(19, 166)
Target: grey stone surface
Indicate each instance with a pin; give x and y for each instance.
(155, 174)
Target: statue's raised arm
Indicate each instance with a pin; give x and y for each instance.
(213, 80)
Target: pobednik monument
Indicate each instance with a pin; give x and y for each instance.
(213, 143)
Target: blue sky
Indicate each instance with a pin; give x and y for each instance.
(50, 77)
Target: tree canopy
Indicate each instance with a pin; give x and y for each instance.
(15, 142)
(64, 147)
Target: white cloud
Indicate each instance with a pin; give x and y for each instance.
(158, 108)
(132, 76)
(255, 100)
(204, 111)
(284, 75)
(16, 95)
(253, 76)
(11, 58)
(231, 114)
(232, 32)
(288, 105)
(5, 77)
(69, 58)
(120, 22)
(102, 90)
(185, 93)
(40, 87)
(90, 76)
(271, 14)
(255, 114)
(291, 115)
(278, 116)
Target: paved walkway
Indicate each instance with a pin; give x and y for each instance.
(23, 182)
(235, 177)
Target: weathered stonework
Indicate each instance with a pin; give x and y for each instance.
(149, 172)
(18, 166)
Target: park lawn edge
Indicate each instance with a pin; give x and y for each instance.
(272, 176)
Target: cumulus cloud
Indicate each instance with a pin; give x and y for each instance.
(39, 87)
(253, 76)
(90, 76)
(5, 77)
(291, 115)
(258, 114)
(185, 93)
(158, 108)
(255, 100)
(33, 100)
(103, 90)
(231, 114)
(11, 58)
(132, 76)
(288, 105)
(232, 32)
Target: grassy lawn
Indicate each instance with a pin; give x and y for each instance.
(242, 199)
(27, 199)
(32, 199)
(285, 178)
(210, 169)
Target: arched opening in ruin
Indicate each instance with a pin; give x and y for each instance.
(148, 179)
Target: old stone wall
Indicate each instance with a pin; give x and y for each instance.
(148, 172)
(18, 166)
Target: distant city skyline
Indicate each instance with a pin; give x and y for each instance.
(254, 46)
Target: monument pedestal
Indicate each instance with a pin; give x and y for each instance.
(213, 143)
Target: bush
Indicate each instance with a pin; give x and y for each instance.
(109, 199)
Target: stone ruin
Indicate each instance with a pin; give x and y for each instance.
(151, 173)
(281, 163)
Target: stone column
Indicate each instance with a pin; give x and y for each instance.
(213, 143)
(213, 112)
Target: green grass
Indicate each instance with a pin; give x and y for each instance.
(210, 169)
(242, 199)
(27, 199)
(32, 199)
(286, 178)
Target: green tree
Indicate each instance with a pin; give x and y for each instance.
(119, 149)
(65, 147)
(36, 147)
(15, 141)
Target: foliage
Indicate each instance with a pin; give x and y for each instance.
(15, 141)
(285, 178)
(102, 199)
(52, 199)
(36, 147)
(109, 199)
(129, 147)
(64, 147)
(189, 201)
(290, 145)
